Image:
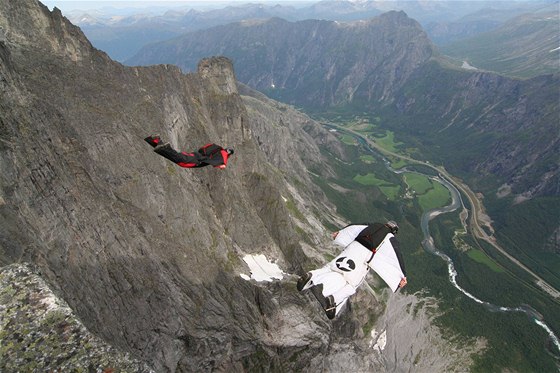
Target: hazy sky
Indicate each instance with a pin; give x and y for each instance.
(162, 5)
(97, 4)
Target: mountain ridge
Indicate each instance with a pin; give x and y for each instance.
(523, 47)
(298, 59)
(444, 21)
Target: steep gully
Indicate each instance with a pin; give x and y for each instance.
(454, 188)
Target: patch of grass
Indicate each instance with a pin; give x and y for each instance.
(390, 190)
(367, 158)
(480, 257)
(171, 169)
(430, 194)
(362, 126)
(388, 141)
(438, 196)
(420, 184)
(347, 139)
(291, 206)
(398, 163)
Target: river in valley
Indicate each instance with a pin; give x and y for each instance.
(429, 246)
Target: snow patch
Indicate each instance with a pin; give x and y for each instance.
(467, 66)
(378, 342)
(262, 269)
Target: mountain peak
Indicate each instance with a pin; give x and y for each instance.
(31, 24)
(219, 70)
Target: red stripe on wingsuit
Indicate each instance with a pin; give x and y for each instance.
(225, 158)
(186, 165)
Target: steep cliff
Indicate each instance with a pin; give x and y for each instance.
(146, 255)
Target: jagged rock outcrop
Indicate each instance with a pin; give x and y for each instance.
(148, 255)
(40, 333)
(274, 120)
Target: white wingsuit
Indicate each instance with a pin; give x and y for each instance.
(345, 273)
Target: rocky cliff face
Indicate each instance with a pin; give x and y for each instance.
(40, 333)
(148, 255)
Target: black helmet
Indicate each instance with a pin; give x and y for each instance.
(229, 151)
(392, 226)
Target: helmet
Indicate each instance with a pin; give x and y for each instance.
(392, 226)
(229, 151)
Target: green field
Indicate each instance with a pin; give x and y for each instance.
(391, 191)
(480, 257)
(419, 183)
(349, 140)
(437, 197)
(397, 162)
(388, 142)
(367, 158)
(430, 194)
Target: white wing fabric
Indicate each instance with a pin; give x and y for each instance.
(347, 235)
(386, 264)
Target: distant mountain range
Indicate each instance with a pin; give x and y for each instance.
(122, 36)
(525, 46)
(313, 63)
(487, 18)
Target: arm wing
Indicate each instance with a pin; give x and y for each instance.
(387, 265)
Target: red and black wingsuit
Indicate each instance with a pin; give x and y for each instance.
(208, 155)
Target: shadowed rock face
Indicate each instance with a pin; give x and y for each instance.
(146, 254)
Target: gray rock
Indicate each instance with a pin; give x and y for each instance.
(148, 255)
(39, 332)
